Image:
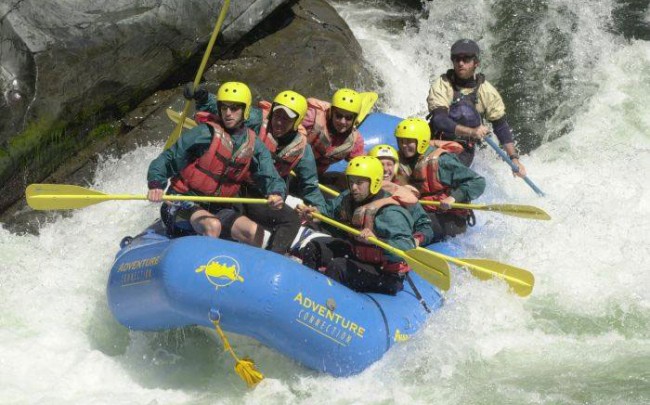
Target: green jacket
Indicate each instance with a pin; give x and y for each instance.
(393, 223)
(465, 184)
(422, 223)
(195, 142)
(307, 177)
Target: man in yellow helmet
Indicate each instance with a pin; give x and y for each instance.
(286, 139)
(331, 128)
(206, 105)
(406, 195)
(364, 205)
(214, 159)
(438, 175)
(459, 100)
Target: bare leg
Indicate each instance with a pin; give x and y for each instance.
(247, 231)
(204, 223)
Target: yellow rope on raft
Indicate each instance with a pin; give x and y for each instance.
(245, 368)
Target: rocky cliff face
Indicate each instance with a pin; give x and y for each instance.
(302, 45)
(66, 66)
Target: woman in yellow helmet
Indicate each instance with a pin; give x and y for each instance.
(286, 139)
(330, 128)
(215, 159)
(364, 205)
(438, 175)
(406, 195)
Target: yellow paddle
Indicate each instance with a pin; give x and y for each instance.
(368, 100)
(521, 281)
(521, 211)
(175, 116)
(428, 266)
(177, 131)
(68, 197)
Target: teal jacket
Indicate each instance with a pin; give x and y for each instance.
(422, 223)
(465, 184)
(307, 177)
(195, 142)
(393, 223)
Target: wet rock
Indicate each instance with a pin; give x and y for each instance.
(68, 65)
(304, 45)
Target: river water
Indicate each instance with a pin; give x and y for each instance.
(576, 84)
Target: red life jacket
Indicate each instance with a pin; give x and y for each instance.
(290, 155)
(219, 171)
(364, 218)
(424, 176)
(203, 117)
(403, 195)
(320, 139)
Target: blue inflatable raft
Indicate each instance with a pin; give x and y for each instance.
(157, 283)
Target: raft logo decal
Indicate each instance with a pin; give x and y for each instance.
(326, 322)
(137, 271)
(400, 337)
(221, 271)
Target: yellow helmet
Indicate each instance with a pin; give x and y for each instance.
(369, 167)
(236, 92)
(415, 128)
(293, 101)
(384, 151)
(348, 100)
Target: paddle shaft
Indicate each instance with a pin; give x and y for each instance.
(197, 79)
(112, 197)
(529, 212)
(356, 232)
(512, 164)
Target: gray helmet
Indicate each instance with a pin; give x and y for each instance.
(465, 47)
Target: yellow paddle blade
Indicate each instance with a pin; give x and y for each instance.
(430, 267)
(61, 196)
(520, 281)
(173, 137)
(175, 116)
(368, 100)
(515, 210)
(521, 211)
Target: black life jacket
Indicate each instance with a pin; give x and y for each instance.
(462, 109)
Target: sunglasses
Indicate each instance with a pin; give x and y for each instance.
(231, 107)
(463, 58)
(340, 116)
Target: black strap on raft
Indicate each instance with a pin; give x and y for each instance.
(471, 218)
(417, 293)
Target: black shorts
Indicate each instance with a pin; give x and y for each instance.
(176, 217)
